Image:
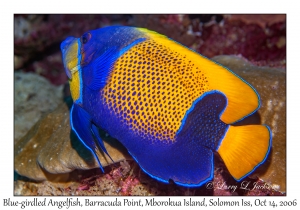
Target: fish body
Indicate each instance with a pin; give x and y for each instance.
(171, 107)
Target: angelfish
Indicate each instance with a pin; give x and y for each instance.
(171, 107)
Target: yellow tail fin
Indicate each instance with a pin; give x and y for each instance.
(244, 148)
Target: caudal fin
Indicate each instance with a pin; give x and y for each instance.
(244, 148)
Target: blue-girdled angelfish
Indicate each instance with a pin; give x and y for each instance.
(171, 107)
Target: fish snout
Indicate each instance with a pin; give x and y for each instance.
(66, 43)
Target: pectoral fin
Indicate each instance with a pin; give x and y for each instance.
(101, 67)
(86, 131)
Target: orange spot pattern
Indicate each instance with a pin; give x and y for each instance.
(151, 88)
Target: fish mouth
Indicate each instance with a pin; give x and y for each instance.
(71, 55)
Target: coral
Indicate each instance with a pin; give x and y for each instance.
(262, 20)
(51, 67)
(57, 151)
(34, 96)
(173, 26)
(265, 46)
(23, 26)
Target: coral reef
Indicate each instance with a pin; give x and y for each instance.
(213, 35)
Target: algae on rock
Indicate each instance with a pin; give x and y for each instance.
(33, 96)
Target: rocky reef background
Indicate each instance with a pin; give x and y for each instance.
(255, 46)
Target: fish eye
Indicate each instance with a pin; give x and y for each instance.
(85, 38)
